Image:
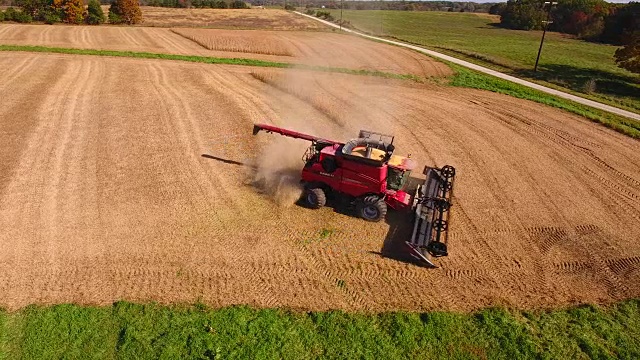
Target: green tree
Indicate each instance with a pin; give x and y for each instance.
(95, 15)
(523, 15)
(585, 18)
(238, 4)
(22, 17)
(125, 12)
(1, 16)
(10, 14)
(52, 16)
(628, 57)
(35, 8)
(497, 9)
(621, 24)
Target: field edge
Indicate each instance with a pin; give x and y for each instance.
(195, 331)
(205, 60)
(473, 79)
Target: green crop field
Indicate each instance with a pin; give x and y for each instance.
(132, 331)
(587, 69)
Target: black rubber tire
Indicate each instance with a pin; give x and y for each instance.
(371, 208)
(315, 198)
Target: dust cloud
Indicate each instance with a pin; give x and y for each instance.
(278, 169)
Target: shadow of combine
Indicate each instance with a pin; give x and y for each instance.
(400, 229)
(226, 161)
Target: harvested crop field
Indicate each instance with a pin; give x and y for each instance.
(315, 48)
(132, 179)
(267, 19)
(158, 40)
(308, 48)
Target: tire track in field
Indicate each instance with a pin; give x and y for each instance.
(28, 208)
(536, 267)
(246, 99)
(16, 70)
(184, 126)
(623, 186)
(411, 287)
(5, 28)
(17, 108)
(595, 264)
(44, 36)
(69, 122)
(149, 127)
(622, 266)
(127, 36)
(319, 262)
(173, 41)
(316, 262)
(565, 140)
(612, 281)
(85, 37)
(185, 123)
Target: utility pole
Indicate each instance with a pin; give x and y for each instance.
(341, 6)
(544, 31)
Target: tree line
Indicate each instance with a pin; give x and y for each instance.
(591, 20)
(72, 12)
(455, 6)
(212, 4)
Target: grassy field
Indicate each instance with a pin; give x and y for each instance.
(588, 69)
(151, 331)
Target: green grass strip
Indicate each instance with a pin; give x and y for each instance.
(203, 59)
(144, 55)
(4, 350)
(472, 79)
(151, 331)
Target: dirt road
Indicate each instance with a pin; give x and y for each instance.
(105, 193)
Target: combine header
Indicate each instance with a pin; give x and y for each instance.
(367, 173)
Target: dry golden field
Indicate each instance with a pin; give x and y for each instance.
(299, 47)
(132, 179)
(266, 19)
(138, 179)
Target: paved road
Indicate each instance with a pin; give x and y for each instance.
(485, 70)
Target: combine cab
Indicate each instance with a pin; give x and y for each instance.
(367, 173)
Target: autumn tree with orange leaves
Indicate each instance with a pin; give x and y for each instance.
(71, 11)
(125, 12)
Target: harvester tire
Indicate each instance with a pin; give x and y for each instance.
(372, 208)
(315, 198)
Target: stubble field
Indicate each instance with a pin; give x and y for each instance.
(265, 19)
(298, 47)
(135, 179)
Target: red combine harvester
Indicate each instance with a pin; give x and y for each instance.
(367, 173)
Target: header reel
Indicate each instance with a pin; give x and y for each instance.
(431, 204)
